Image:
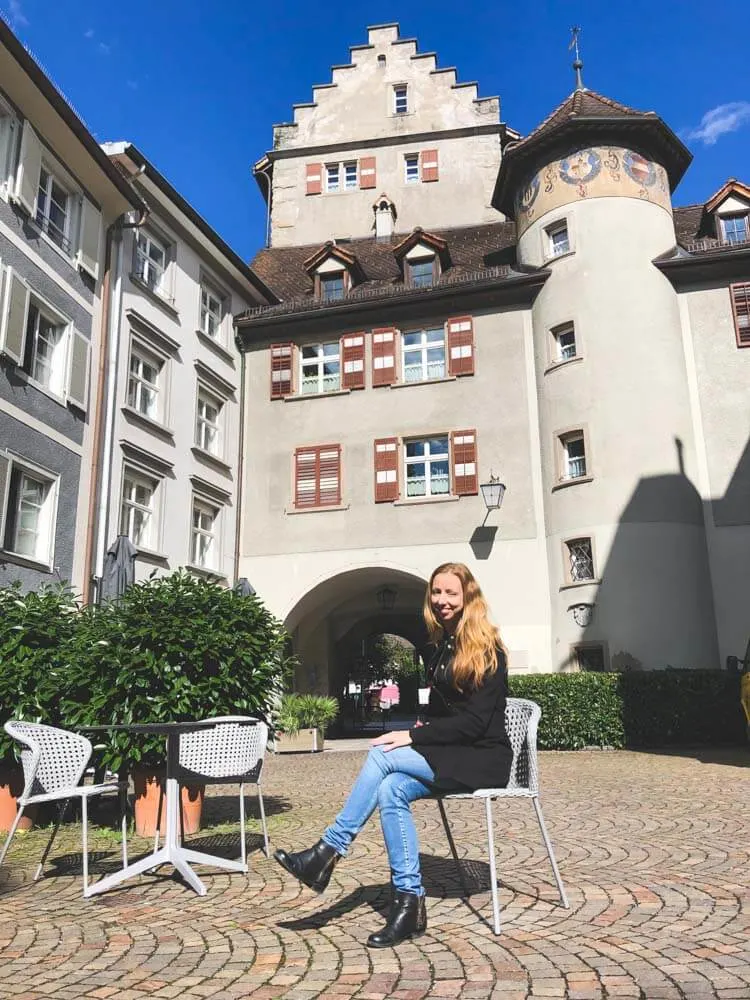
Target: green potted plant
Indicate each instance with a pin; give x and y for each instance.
(35, 632)
(301, 722)
(171, 649)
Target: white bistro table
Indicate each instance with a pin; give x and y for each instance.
(173, 852)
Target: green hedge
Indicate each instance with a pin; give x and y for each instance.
(642, 709)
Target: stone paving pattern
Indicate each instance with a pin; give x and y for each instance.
(653, 848)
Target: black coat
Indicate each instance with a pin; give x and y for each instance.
(464, 738)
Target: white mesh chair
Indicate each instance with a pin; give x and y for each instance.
(54, 762)
(521, 721)
(231, 753)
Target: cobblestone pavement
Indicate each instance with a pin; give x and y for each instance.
(654, 850)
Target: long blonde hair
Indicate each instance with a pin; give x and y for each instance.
(477, 639)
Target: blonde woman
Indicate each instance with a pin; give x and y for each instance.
(462, 746)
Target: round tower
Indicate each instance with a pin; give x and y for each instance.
(628, 568)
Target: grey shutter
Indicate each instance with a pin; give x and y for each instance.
(4, 491)
(78, 370)
(87, 257)
(13, 317)
(29, 169)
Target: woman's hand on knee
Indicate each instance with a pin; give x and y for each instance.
(392, 741)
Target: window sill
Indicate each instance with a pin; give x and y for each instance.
(571, 482)
(423, 381)
(315, 510)
(18, 560)
(216, 346)
(593, 582)
(558, 256)
(206, 573)
(150, 556)
(136, 417)
(205, 456)
(156, 297)
(412, 501)
(553, 366)
(68, 258)
(315, 395)
(28, 380)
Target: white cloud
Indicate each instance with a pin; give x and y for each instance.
(720, 120)
(104, 48)
(16, 15)
(89, 33)
(133, 84)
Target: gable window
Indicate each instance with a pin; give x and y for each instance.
(138, 508)
(427, 467)
(423, 355)
(411, 168)
(558, 239)
(30, 511)
(144, 378)
(151, 262)
(317, 476)
(53, 209)
(332, 287)
(203, 541)
(574, 455)
(400, 99)
(208, 422)
(321, 368)
(421, 273)
(564, 342)
(212, 311)
(580, 560)
(735, 228)
(332, 177)
(46, 348)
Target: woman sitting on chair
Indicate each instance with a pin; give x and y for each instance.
(462, 746)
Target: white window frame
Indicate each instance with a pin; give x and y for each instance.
(133, 399)
(427, 460)
(400, 99)
(574, 466)
(571, 573)
(558, 332)
(411, 168)
(203, 424)
(333, 177)
(63, 239)
(316, 385)
(210, 291)
(554, 250)
(332, 276)
(417, 262)
(351, 175)
(732, 216)
(208, 558)
(138, 477)
(9, 132)
(155, 276)
(422, 372)
(44, 552)
(57, 384)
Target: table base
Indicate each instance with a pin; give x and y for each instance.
(179, 857)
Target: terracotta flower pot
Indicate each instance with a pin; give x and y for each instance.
(148, 785)
(11, 786)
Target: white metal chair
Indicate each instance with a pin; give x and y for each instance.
(230, 753)
(54, 762)
(521, 721)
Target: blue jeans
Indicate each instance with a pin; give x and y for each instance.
(391, 781)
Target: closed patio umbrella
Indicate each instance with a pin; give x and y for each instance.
(119, 568)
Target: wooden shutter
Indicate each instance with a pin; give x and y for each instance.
(317, 476)
(353, 361)
(78, 370)
(29, 169)
(384, 355)
(367, 174)
(464, 462)
(5, 468)
(282, 356)
(87, 257)
(428, 163)
(13, 317)
(460, 345)
(741, 309)
(314, 178)
(386, 469)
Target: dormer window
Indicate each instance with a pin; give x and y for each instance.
(735, 228)
(421, 273)
(334, 271)
(332, 286)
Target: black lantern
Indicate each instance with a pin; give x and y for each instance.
(493, 492)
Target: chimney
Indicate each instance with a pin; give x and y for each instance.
(385, 216)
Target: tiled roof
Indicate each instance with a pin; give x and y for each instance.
(584, 104)
(689, 223)
(472, 248)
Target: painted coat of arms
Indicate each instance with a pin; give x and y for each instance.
(581, 167)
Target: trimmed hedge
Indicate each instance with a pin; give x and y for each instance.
(653, 708)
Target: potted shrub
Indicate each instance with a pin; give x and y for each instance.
(302, 720)
(171, 649)
(35, 632)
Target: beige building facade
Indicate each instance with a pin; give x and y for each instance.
(538, 311)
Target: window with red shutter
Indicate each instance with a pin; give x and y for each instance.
(386, 469)
(282, 356)
(367, 175)
(461, 345)
(384, 355)
(317, 476)
(464, 461)
(353, 361)
(428, 163)
(314, 178)
(741, 308)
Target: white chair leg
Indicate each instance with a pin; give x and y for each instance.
(550, 852)
(451, 844)
(60, 814)
(85, 840)
(493, 870)
(263, 821)
(158, 818)
(124, 823)
(11, 833)
(243, 846)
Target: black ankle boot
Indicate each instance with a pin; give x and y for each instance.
(312, 867)
(407, 919)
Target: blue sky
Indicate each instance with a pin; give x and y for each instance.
(197, 85)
